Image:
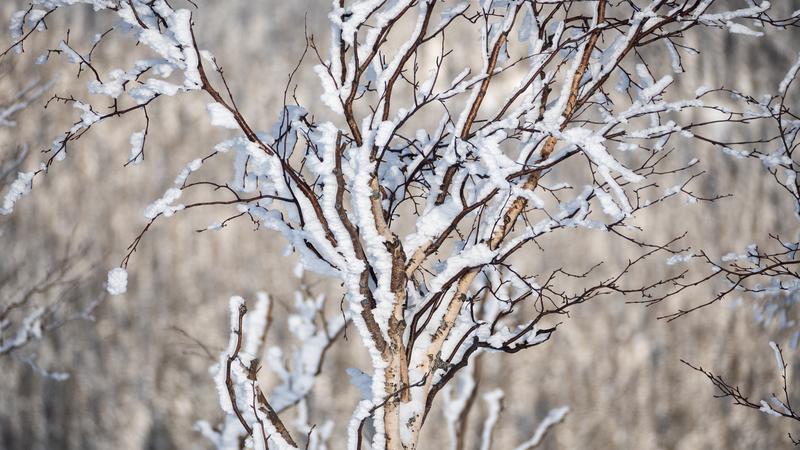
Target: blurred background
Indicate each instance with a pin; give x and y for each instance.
(138, 373)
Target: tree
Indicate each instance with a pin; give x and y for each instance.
(428, 173)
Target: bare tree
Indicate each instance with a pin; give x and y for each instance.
(428, 173)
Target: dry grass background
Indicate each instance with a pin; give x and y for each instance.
(138, 382)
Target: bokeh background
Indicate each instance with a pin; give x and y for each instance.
(139, 372)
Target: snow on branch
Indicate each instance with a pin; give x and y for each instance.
(40, 303)
(554, 417)
(775, 405)
(248, 413)
(33, 306)
(766, 276)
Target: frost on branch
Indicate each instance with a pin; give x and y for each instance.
(117, 282)
(776, 405)
(239, 392)
(459, 395)
(38, 301)
(765, 275)
(21, 100)
(21, 186)
(767, 272)
(250, 413)
(23, 182)
(34, 300)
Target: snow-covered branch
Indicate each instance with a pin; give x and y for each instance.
(767, 275)
(775, 405)
(35, 301)
(252, 414)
